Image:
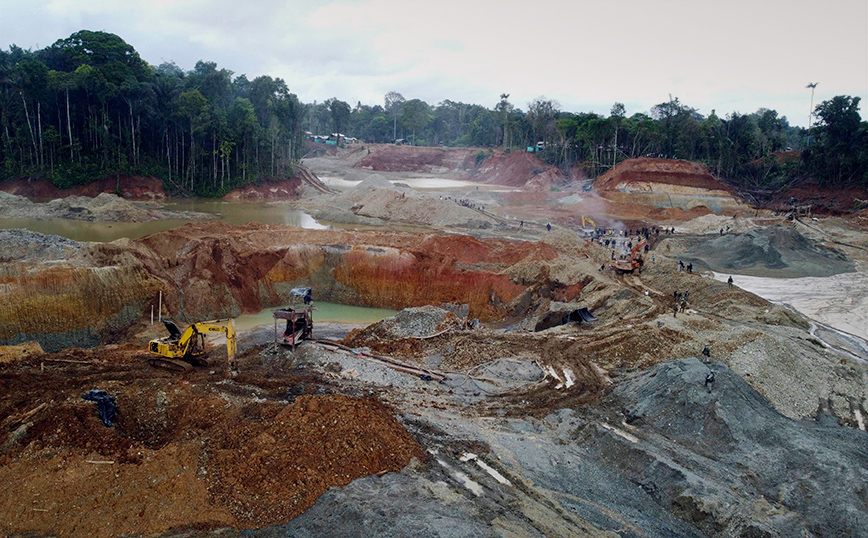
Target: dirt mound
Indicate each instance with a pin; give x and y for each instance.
(419, 322)
(376, 200)
(21, 244)
(779, 251)
(801, 468)
(391, 158)
(643, 174)
(132, 187)
(519, 169)
(194, 453)
(104, 207)
(290, 459)
(823, 201)
(267, 190)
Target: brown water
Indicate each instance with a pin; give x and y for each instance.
(229, 212)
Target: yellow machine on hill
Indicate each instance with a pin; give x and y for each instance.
(181, 350)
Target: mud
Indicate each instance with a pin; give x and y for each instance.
(604, 428)
(129, 187)
(104, 208)
(185, 453)
(779, 251)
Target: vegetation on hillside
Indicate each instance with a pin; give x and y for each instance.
(88, 106)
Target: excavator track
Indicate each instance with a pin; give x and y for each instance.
(173, 365)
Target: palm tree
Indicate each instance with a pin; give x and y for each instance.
(811, 85)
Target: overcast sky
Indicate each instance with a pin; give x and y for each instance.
(727, 55)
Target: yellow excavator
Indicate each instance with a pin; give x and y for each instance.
(181, 350)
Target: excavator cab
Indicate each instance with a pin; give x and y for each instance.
(180, 351)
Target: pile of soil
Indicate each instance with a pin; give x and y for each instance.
(392, 158)
(104, 207)
(184, 453)
(378, 201)
(779, 251)
(519, 169)
(19, 244)
(633, 173)
(131, 187)
(796, 477)
(823, 201)
(416, 322)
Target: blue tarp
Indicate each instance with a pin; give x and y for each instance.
(105, 404)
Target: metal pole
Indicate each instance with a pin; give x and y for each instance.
(160, 310)
(152, 314)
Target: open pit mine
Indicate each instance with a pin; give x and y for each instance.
(647, 354)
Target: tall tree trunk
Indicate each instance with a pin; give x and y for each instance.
(29, 126)
(69, 127)
(39, 124)
(132, 133)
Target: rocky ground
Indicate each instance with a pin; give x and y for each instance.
(104, 207)
(419, 424)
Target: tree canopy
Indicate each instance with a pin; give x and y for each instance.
(88, 106)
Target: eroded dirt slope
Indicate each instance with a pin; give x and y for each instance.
(132, 187)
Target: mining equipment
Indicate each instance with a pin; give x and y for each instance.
(634, 262)
(180, 351)
(299, 319)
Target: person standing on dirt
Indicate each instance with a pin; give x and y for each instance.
(709, 380)
(706, 352)
(729, 281)
(521, 224)
(690, 267)
(549, 226)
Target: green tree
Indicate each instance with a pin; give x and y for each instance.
(340, 114)
(503, 108)
(394, 102)
(193, 106)
(415, 116)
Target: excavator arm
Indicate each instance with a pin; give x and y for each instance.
(190, 344)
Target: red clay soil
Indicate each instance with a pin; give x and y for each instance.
(220, 270)
(667, 171)
(518, 169)
(822, 201)
(185, 453)
(267, 190)
(130, 187)
(391, 158)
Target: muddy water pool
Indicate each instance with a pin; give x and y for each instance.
(324, 313)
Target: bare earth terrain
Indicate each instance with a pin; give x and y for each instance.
(528, 422)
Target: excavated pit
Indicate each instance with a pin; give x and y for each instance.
(208, 271)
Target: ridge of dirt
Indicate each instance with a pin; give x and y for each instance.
(131, 187)
(519, 169)
(630, 173)
(192, 452)
(392, 158)
(104, 207)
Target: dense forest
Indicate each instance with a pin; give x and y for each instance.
(88, 106)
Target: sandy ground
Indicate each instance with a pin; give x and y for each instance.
(610, 428)
(840, 301)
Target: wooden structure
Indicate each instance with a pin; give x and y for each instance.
(299, 324)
